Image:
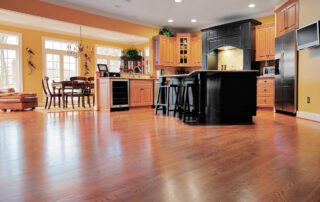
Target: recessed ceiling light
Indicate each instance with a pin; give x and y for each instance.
(194, 20)
(252, 5)
(117, 6)
(178, 1)
(170, 20)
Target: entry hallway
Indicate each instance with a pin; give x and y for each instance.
(136, 156)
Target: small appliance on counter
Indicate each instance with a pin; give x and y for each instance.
(104, 72)
(269, 71)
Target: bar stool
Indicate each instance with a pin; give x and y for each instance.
(185, 106)
(164, 93)
(186, 111)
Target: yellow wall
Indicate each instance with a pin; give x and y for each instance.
(309, 62)
(267, 19)
(33, 40)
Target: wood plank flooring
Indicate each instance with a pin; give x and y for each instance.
(136, 156)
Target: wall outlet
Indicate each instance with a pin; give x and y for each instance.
(308, 100)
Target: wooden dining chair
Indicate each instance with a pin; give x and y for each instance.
(89, 92)
(78, 84)
(50, 95)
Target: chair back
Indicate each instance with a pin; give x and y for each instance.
(45, 86)
(79, 78)
(91, 79)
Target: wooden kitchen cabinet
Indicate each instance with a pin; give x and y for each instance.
(287, 17)
(180, 51)
(265, 42)
(164, 50)
(196, 51)
(265, 92)
(183, 50)
(141, 93)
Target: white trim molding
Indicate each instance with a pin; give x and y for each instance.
(308, 115)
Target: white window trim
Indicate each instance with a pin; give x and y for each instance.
(20, 55)
(108, 57)
(59, 52)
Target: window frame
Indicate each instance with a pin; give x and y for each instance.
(61, 53)
(107, 57)
(19, 51)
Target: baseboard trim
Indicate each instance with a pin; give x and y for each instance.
(308, 115)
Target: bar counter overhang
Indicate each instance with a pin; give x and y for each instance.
(221, 97)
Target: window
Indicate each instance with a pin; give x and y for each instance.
(10, 70)
(109, 56)
(147, 60)
(58, 64)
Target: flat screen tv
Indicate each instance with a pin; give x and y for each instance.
(308, 36)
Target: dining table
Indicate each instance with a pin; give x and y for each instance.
(62, 86)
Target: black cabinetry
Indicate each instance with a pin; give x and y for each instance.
(239, 34)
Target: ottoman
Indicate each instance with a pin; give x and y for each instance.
(18, 101)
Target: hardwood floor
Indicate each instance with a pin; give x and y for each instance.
(136, 156)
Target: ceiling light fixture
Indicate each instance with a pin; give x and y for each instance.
(178, 1)
(252, 5)
(170, 20)
(194, 20)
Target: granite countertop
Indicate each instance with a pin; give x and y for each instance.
(127, 78)
(209, 71)
(266, 76)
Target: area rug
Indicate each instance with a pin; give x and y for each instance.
(61, 110)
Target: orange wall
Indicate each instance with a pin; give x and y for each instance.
(33, 39)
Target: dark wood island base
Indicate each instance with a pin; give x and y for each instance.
(221, 97)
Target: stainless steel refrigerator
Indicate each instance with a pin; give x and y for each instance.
(286, 73)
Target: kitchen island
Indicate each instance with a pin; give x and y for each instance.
(221, 97)
(121, 93)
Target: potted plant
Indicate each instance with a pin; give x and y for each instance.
(166, 32)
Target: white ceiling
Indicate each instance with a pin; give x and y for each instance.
(49, 25)
(157, 12)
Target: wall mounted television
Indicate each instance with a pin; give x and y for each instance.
(308, 36)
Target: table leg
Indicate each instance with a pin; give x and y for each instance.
(62, 96)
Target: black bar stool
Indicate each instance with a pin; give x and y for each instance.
(186, 111)
(184, 106)
(164, 95)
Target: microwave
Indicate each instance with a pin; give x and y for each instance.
(269, 71)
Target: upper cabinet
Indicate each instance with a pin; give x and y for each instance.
(184, 43)
(196, 51)
(164, 49)
(287, 17)
(265, 42)
(180, 51)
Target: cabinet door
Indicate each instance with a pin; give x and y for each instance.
(292, 17)
(281, 22)
(147, 94)
(156, 50)
(270, 38)
(260, 44)
(196, 51)
(183, 41)
(162, 46)
(135, 95)
(170, 50)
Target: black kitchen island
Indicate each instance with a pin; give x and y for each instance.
(221, 97)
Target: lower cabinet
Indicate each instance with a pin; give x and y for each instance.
(141, 93)
(265, 92)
